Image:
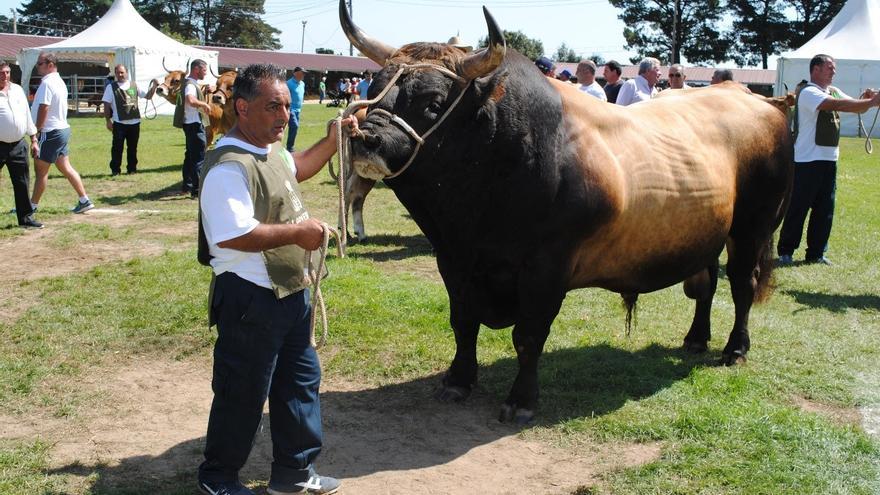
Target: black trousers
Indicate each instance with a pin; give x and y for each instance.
(124, 134)
(15, 157)
(815, 184)
(196, 142)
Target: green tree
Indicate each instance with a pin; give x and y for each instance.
(517, 40)
(566, 54)
(54, 18)
(220, 22)
(650, 25)
(812, 17)
(597, 59)
(760, 29)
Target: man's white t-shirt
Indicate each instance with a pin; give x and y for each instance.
(110, 99)
(594, 89)
(52, 92)
(190, 113)
(226, 196)
(805, 147)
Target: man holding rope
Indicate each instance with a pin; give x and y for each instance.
(816, 150)
(256, 235)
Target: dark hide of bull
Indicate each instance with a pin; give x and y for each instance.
(526, 193)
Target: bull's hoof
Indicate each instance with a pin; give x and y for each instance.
(518, 416)
(734, 358)
(452, 393)
(694, 347)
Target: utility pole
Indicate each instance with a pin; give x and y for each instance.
(302, 43)
(351, 15)
(14, 21)
(205, 20)
(674, 58)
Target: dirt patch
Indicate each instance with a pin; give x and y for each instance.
(840, 415)
(45, 258)
(148, 430)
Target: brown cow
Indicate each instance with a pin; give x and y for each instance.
(222, 116)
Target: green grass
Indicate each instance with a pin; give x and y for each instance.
(721, 430)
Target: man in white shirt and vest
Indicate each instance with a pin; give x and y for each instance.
(816, 150)
(255, 233)
(16, 122)
(123, 119)
(188, 116)
(49, 111)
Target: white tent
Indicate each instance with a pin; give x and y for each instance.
(852, 38)
(122, 36)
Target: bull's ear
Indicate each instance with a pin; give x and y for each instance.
(490, 91)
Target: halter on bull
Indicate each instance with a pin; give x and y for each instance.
(527, 189)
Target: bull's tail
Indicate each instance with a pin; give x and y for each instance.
(765, 286)
(629, 302)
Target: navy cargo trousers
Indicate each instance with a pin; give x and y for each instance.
(262, 351)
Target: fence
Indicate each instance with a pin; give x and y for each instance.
(84, 93)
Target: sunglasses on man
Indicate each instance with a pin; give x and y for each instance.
(675, 74)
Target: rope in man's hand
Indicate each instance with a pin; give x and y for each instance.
(313, 276)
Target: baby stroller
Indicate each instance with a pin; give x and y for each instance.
(335, 99)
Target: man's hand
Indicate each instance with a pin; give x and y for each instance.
(110, 125)
(309, 234)
(35, 148)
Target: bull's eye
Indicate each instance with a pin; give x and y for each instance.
(433, 110)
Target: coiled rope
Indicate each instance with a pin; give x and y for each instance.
(869, 147)
(313, 278)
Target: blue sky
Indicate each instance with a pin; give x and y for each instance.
(587, 26)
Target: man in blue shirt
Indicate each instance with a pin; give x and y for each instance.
(297, 91)
(364, 85)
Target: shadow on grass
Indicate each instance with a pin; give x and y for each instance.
(837, 303)
(400, 427)
(172, 191)
(405, 246)
(154, 170)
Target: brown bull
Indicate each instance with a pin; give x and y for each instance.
(527, 189)
(222, 116)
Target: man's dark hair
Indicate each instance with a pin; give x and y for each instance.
(49, 58)
(820, 59)
(248, 81)
(197, 63)
(724, 74)
(615, 66)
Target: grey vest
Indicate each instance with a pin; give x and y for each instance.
(126, 101)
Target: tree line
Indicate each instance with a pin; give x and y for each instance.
(208, 22)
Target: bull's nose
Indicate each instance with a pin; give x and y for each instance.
(372, 141)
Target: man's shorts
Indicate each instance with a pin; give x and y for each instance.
(53, 144)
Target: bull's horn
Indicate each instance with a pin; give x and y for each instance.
(482, 62)
(374, 49)
(211, 68)
(163, 65)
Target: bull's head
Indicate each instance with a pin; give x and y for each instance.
(169, 88)
(420, 85)
(223, 91)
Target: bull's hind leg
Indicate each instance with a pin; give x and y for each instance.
(701, 287)
(748, 263)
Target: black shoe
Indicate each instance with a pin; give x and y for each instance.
(30, 223)
(821, 260)
(784, 259)
(315, 485)
(213, 488)
(131, 172)
(114, 173)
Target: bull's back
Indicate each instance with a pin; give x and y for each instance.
(672, 168)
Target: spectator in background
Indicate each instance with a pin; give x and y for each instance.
(677, 78)
(49, 112)
(297, 88)
(546, 66)
(364, 85)
(346, 90)
(644, 86)
(721, 75)
(612, 73)
(322, 89)
(586, 75)
(15, 123)
(564, 76)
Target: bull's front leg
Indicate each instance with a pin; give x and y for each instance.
(462, 374)
(528, 339)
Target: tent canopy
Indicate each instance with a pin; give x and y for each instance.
(852, 38)
(122, 36)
